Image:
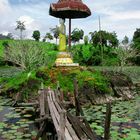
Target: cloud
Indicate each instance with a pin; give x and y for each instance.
(4, 7)
(30, 25)
(121, 16)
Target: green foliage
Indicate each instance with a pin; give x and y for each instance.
(36, 35)
(125, 40)
(132, 71)
(136, 39)
(86, 40)
(21, 27)
(49, 36)
(104, 38)
(1, 49)
(16, 81)
(124, 54)
(25, 83)
(91, 55)
(55, 32)
(3, 43)
(124, 125)
(93, 79)
(86, 52)
(8, 71)
(76, 35)
(66, 79)
(110, 61)
(30, 55)
(66, 82)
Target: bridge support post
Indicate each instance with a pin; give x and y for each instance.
(79, 110)
(107, 122)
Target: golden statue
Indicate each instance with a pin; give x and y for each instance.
(62, 36)
(64, 58)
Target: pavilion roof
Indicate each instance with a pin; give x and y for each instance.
(69, 9)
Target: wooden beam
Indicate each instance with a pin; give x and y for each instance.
(46, 117)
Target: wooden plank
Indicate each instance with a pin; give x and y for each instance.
(28, 104)
(56, 103)
(93, 134)
(68, 125)
(85, 129)
(76, 127)
(56, 124)
(53, 95)
(67, 135)
(62, 124)
(71, 130)
(46, 117)
(53, 115)
(53, 107)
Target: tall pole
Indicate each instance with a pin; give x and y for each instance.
(69, 40)
(100, 34)
(100, 31)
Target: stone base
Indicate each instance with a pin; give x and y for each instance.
(64, 59)
(67, 65)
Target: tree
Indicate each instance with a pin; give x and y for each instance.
(86, 39)
(76, 35)
(55, 32)
(26, 54)
(104, 38)
(36, 35)
(8, 36)
(49, 36)
(123, 53)
(125, 40)
(136, 39)
(21, 27)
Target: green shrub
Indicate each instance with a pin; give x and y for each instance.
(29, 55)
(89, 55)
(25, 83)
(108, 61)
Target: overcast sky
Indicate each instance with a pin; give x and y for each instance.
(121, 16)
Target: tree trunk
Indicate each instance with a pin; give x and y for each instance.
(56, 41)
(21, 34)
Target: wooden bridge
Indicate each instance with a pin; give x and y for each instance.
(67, 126)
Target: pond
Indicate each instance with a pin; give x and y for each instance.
(125, 122)
(16, 123)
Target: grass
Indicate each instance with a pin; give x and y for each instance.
(7, 71)
(1, 48)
